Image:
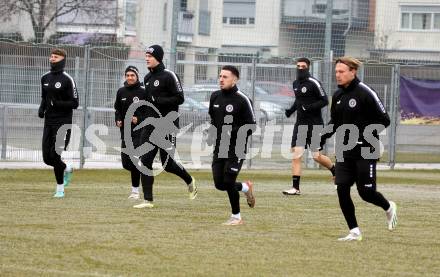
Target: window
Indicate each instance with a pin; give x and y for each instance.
(130, 15)
(420, 17)
(437, 21)
(319, 8)
(405, 21)
(421, 21)
(235, 58)
(204, 22)
(239, 12)
(201, 70)
(237, 20)
(180, 67)
(183, 5)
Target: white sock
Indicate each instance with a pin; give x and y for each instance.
(237, 216)
(356, 231)
(60, 188)
(135, 190)
(245, 187)
(389, 209)
(68, 168)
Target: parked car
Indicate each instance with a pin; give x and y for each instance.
(275, 88)
(266, 106)
(192, 111)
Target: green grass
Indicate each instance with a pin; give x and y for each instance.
(95, 231)
(406, 157)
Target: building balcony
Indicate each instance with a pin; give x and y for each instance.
(314, 11)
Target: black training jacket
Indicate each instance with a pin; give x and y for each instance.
(58, 96)
(231, 102)
(357, 104)
(164, 91)
(125, 96)
(310, 98)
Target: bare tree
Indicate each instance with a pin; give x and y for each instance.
(44, 12)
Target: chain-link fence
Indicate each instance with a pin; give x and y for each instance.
(98, 72)
(384, 31)
(397, 41)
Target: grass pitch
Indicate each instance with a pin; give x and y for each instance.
(94, 231)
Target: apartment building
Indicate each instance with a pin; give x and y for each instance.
(407, 30)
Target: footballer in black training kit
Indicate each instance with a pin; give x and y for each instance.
(310, 98)
(131, 92)
(356, 104)
(59, 97)
(232, 122)
(164, 92)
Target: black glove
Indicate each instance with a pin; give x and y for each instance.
(288, 112)
(41, 109)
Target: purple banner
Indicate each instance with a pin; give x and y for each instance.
(419, 98)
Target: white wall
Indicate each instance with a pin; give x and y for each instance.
(150, 23)
(388, 34)
(21, 23)
(265, 31)
(214, 40)
(358, 45)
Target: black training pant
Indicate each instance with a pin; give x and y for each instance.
(363, 172)
(224, 173)
(127, 163)
(168, 163)
(50, 156)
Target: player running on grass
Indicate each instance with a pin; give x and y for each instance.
(230, 110)
(131, 92)
(357, 104)
(310, 98)
(58, 98)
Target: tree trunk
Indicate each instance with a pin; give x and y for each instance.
(39, 28)
(39, 34)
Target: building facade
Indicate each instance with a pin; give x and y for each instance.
(412, 34)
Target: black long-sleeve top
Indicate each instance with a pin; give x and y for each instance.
(164, 91)
(59, 96)
(237, 105)
(357, 104)
(310, 98)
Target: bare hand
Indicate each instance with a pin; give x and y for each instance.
(134, 120)
(119, 124)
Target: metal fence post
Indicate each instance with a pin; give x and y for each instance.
(361, 73)
(174, 31)
(4, 113)
(253, 77)
(327, 75)
(394, 116)
(85, 104)
(77, 63)
(328, 53)
(328, 44)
